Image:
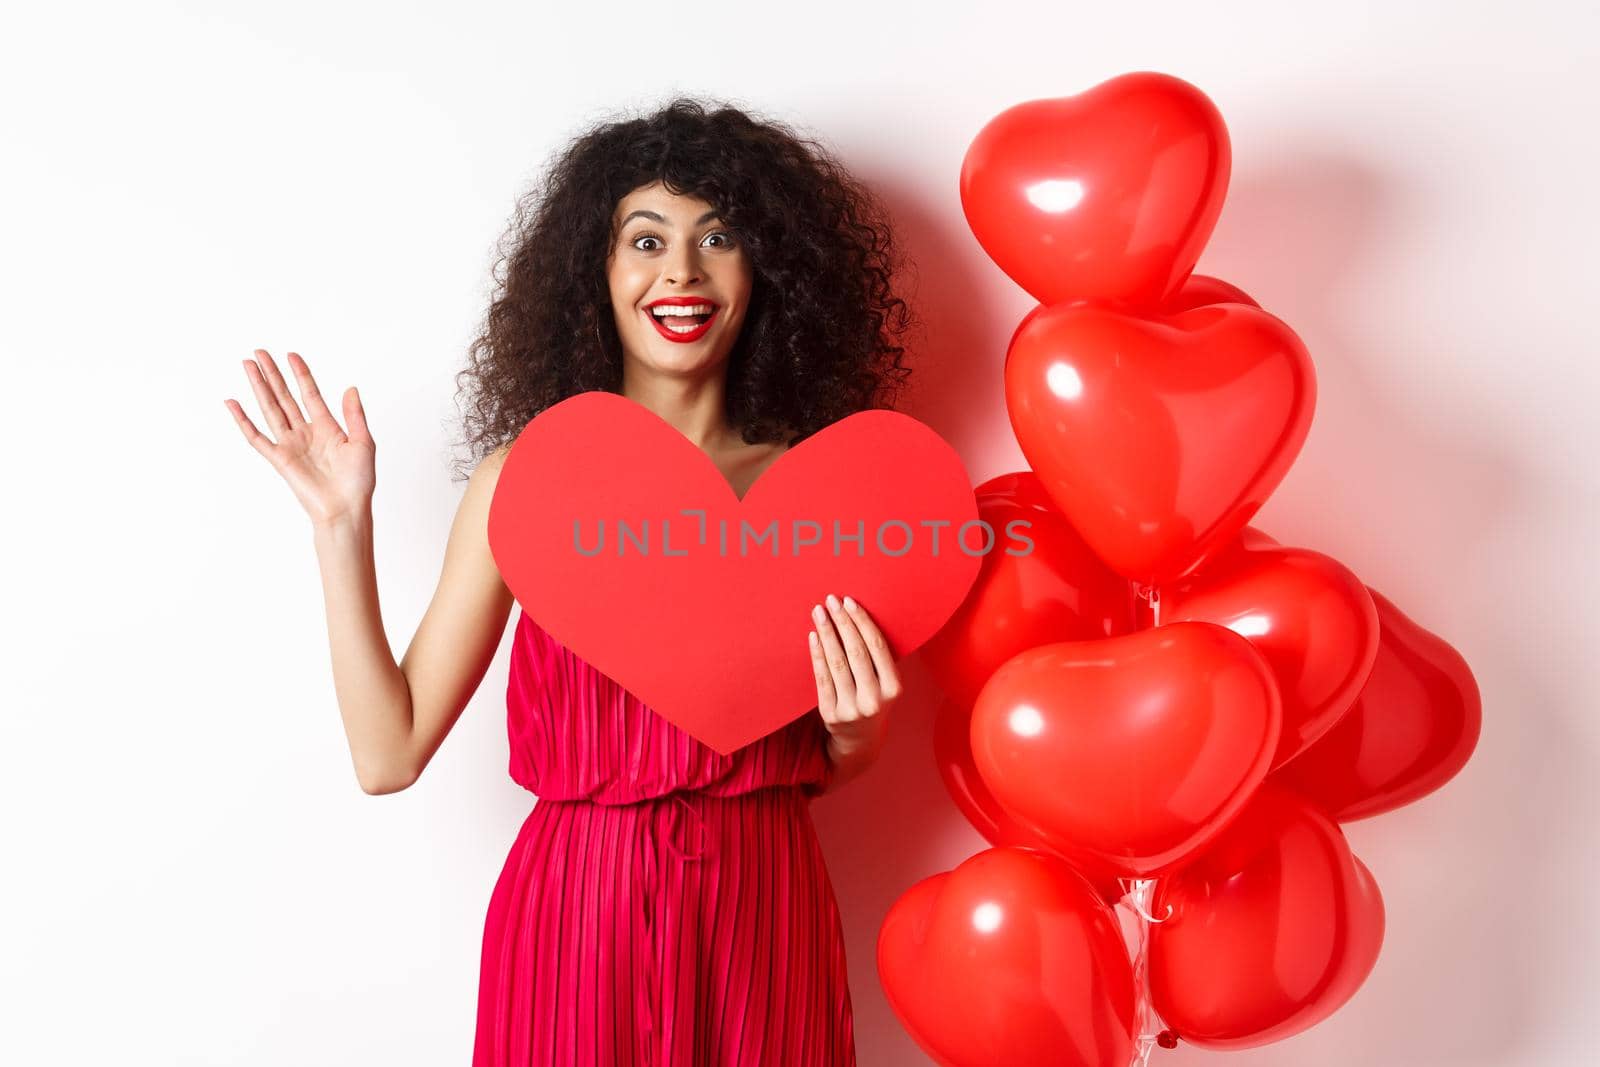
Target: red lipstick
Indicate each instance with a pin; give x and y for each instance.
(685, 336)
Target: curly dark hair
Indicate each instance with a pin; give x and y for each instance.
(818, 341)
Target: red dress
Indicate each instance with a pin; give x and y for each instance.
(663, 905)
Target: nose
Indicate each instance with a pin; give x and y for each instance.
(683, 267)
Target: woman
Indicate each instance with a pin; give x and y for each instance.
(663, 904)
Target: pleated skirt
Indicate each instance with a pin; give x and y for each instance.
(690, 930)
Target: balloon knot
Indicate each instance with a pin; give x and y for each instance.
(1140, 910)
(1167, 1039)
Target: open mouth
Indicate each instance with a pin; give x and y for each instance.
(675, 325)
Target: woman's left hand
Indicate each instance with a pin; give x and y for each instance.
(855, 671)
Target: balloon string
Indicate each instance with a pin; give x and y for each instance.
(1138, 892)
(1140, 904)
(1152, 595)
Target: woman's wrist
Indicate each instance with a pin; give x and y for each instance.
(849, 746)
(353, 525)
(848, 758)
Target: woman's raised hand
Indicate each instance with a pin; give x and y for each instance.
(857, 680)
(331, 472)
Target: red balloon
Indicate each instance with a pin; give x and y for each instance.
(1158, 439)
(1273, 927)
(1412, 728)
(1107, 195)
(1252, 537)
(1202, 289)
(1199, 290)
(952, 749)
(1305, 612)
(1249, 537)
(1057, 590)
(1133, 751)
(1009, 959)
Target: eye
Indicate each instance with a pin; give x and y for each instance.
(728, 240)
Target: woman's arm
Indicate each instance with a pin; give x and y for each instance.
(849, 762)
(396, 715)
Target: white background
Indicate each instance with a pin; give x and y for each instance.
(194, 876)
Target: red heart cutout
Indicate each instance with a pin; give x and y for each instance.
(1107, 195)
(688, 608)
(1134, 749)
(1009, 959)
(1158, 438)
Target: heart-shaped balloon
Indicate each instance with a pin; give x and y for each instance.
(1413, 726)
(952, 751)
(1272, 928)
(1108, 195)
(1009, 959)
(1145, 609)
(1158, 439)
(1045, 586)
(1134, 750)
(626, 544)
(1309, 615)
(1202, 289)
(1199, 290)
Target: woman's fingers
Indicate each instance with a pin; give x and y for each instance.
(827, 699)
(280, 389)
(267, 400)
(355, 416)
(855, 650)
(838, 663)
(878, 647)
(308, 388)
(256, 439)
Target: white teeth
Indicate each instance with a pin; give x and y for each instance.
(662, 312)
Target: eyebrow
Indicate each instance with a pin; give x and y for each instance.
(642, 213)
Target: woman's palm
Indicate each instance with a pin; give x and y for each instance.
(331, 472)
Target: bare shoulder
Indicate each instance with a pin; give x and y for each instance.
(472, 518)
(470, 584)
(481, 484)
(490, 465)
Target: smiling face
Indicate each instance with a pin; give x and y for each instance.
(672, 248)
